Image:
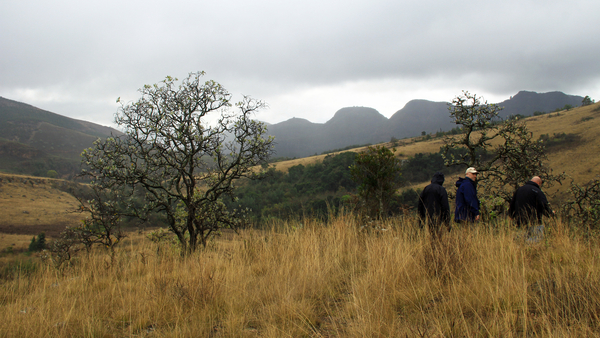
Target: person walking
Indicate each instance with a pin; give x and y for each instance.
(433, 206)
(529, 204)
(467, 203)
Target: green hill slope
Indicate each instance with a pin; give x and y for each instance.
(33, 141)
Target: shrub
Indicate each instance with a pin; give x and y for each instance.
(38, 244)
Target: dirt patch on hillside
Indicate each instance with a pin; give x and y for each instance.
(51, 230)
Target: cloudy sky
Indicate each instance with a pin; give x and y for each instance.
(304, 58)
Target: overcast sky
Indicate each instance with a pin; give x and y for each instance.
(304, 58)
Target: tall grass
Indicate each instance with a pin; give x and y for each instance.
(314, 279)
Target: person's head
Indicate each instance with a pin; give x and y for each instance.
(537, 180)
(438, 178)
(471, 173)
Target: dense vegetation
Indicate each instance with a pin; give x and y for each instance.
(303, 190)
(327, 186)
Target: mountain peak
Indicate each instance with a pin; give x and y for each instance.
(357, 113)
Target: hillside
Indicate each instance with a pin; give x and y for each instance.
(363, 125)
(578, 159)
(30, 205)
(418, 116)
(526, 103)
(33, 141)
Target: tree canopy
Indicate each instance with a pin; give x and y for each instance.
(377, 173)
(185, 148)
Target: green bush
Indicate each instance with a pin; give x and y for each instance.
(304, 190)
(38, 244)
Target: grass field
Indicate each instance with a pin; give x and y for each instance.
(312, 279)
(30, 205)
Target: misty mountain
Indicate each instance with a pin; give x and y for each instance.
(418, 116)
(362, 125)
(527, 103)
(33, 141)
(349, 126)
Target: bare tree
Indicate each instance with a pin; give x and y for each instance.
(584, 205)
(106, 210)
(504, 151)
(185, 148)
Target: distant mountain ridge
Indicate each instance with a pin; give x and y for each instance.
(33, 141)
(363, 125)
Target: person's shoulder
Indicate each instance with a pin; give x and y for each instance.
(438, 188)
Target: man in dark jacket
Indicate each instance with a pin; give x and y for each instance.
(529, 204)
(467, 203)
(433, 206)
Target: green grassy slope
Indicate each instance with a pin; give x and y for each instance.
(34, 141)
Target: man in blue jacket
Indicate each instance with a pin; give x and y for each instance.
(467, 203)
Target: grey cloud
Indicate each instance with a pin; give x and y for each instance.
(82, 52)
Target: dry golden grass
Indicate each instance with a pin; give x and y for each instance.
(319, 280)
(405, 149)
(30, 205)
(17, 242)
(581, 161)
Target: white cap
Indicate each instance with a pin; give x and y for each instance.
(471, 170)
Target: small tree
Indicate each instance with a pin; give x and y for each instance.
(377, 174)
(105, 212)
(38, 244)
(185, 148)
(478, 121)
(587, 101)
(584, 205)
(32, 245)
(52, 174)
(64, 247)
